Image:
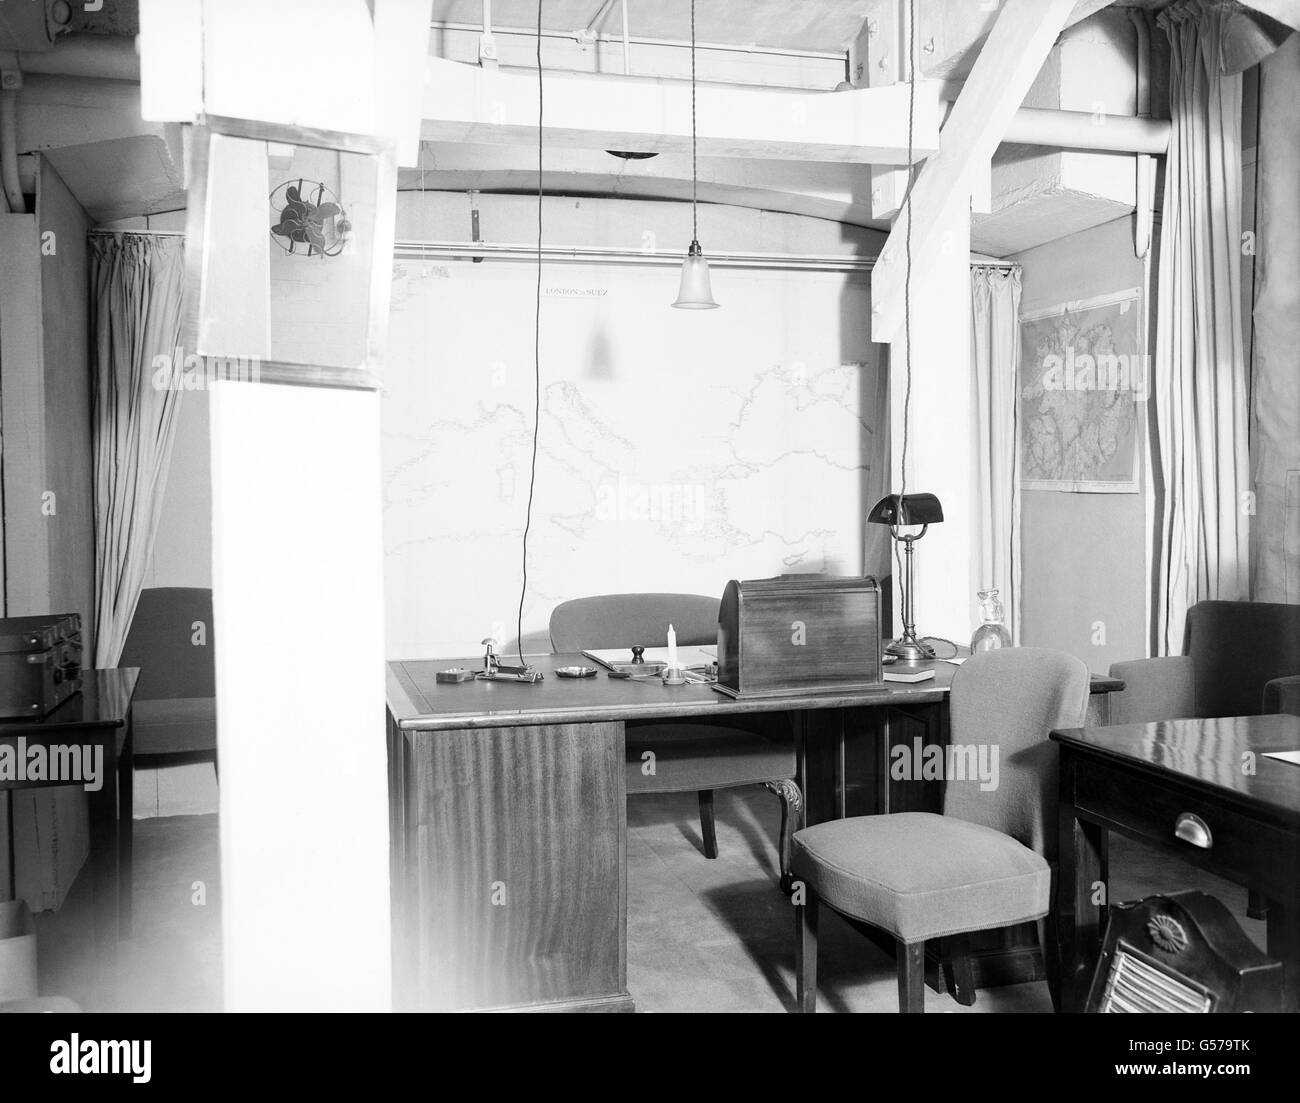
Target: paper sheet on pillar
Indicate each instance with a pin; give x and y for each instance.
(1083, 379)
(677, 449)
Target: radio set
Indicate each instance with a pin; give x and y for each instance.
(799, 634)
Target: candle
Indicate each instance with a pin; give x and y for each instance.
(672, 648)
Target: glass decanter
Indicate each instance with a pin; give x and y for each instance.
(992, 632)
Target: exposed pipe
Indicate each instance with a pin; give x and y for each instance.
(627, 45)
(415, 250)
(1037, 126)
(9, 151)
(487, 45)
(85, 55)
(641, 40)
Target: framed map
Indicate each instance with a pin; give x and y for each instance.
(1083, 383)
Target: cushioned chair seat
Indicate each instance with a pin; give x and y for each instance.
(920, 876)
(704, 756)
(177, 725)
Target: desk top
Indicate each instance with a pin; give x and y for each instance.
(419, 703)
(1207, 753)
(104, 701)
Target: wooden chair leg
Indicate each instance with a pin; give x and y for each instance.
(961, 969)
(791, 821)
(1050, 944)
(805, 955)
(911, 977)
(708, 829)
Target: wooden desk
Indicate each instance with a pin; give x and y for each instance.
(508, 819)
(1140, 779)
(99, 716)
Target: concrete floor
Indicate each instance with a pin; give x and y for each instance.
(702, 935)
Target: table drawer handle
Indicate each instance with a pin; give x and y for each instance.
(1192, 829)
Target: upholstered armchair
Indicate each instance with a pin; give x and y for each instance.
(174, 715)
(1232, 651)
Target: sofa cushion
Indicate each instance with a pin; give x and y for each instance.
(919, 875)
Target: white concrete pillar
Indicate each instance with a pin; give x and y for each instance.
(297, 568)
(938, 431)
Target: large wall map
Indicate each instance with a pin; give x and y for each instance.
(677, 449)
(1084, 376)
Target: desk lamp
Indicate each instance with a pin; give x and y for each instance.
(899, 511)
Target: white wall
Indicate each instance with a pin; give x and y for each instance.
(678, 449)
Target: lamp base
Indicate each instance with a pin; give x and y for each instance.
(910, 649)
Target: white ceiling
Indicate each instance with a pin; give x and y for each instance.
(788, 23)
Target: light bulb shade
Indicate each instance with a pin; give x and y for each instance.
(907, 509)
(695, 292)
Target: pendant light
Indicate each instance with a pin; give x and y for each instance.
(694, 292)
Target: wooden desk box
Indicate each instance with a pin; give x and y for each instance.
(798, 634)
(40, 663)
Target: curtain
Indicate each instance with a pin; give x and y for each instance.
(1200, 373)
(136, 283)
(1275, 528)
(995, 360)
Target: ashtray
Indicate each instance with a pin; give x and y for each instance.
(576, 671)
(637, 670)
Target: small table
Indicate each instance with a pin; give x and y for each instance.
(98, 717)
(1201, 789)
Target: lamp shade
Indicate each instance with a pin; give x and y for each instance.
(906, 509)
(695, 293)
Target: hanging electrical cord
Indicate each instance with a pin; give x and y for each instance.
(694, 167)
(537, 355)
(906, 209)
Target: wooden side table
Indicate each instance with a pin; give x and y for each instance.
(99, 717)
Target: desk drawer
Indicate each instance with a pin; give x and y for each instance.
(1198, 827)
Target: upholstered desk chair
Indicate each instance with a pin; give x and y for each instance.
(687, 757)
(174, 716)
(985, 863)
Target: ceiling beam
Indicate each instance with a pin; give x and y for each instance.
(463, 103)
(1007, 65)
